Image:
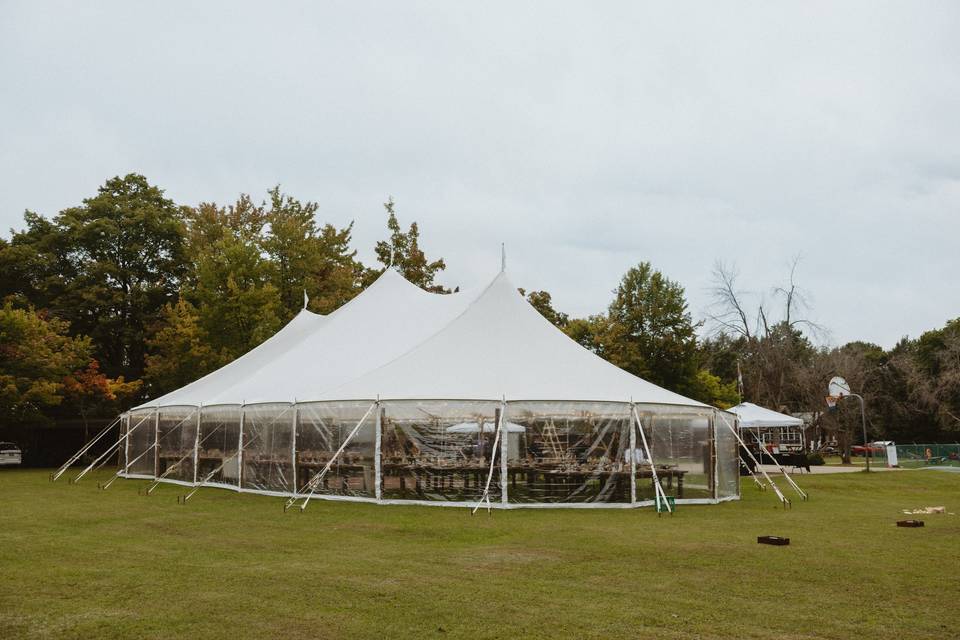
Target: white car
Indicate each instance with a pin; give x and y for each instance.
(10, 454)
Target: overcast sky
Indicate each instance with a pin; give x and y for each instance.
(587, 137)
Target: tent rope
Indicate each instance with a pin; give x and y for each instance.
(733, 430)
(485, 497)
(657, 487)
(315, 481)
(786, 475)
(83, 450)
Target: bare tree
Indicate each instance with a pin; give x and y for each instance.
(772, 349)
(729, 311)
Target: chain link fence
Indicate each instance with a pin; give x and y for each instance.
(921, 455)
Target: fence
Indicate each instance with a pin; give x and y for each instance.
(920, 455)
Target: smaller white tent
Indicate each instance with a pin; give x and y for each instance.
(488, 427)
(756, 417)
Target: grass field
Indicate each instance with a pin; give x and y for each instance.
(77, 562)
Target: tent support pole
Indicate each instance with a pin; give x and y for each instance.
(713, 458)
(125, 426)
(377, 444)
(504, 455)
(105, 454)
(786, 475)
(175, 465)
(783, 498)
(183, 499)
(196, 444)
(658, 490)
(318, 478)
(485, 497)
(243, 415)
(156, 442)
(206, 478)
(633, 462)
(96, 464)
(109, 482)
(760, 485)
(293, 443)
(83, 450)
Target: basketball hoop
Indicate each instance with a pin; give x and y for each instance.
(832, 401)
(838, 387)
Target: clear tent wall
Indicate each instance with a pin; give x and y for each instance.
(439, 452)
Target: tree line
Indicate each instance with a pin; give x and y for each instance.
(130, 295)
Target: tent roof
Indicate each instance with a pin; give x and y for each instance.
(753, 416)
(396, 341)
(220, 380)
(500, 346)
(313, 353)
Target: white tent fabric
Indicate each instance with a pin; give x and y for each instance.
(315, 353)
(215, 383)
(501, 347)
(753, 416)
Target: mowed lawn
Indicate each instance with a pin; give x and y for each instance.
(77, 562)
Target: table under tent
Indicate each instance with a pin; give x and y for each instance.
(403, 396)
(769, 434)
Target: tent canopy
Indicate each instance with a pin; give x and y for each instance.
(754, 416)
(501, 347)
(395, 341)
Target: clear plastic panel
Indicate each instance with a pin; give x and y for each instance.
(268, 447)
(728, 464)
(568, 452)
(322, 427)
(177, 432)
(680, 443)
(219, 442)
(438, 450)
(141, 434)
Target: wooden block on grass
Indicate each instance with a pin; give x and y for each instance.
(909, 523)
(776, 541)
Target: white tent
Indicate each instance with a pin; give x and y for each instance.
(752, 416)
(369, 403)
(774, 433)
(488, 427)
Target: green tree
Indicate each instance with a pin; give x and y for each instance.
(542, 301)
(587, 332)
(649, 331)
(107, 267)
(231, 283)
(36, 355)
(711, 390)
(402, 252)
(305, 256)
(180, 351)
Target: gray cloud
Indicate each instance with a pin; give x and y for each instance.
(587, 140)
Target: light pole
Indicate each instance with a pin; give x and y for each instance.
(863, 418)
